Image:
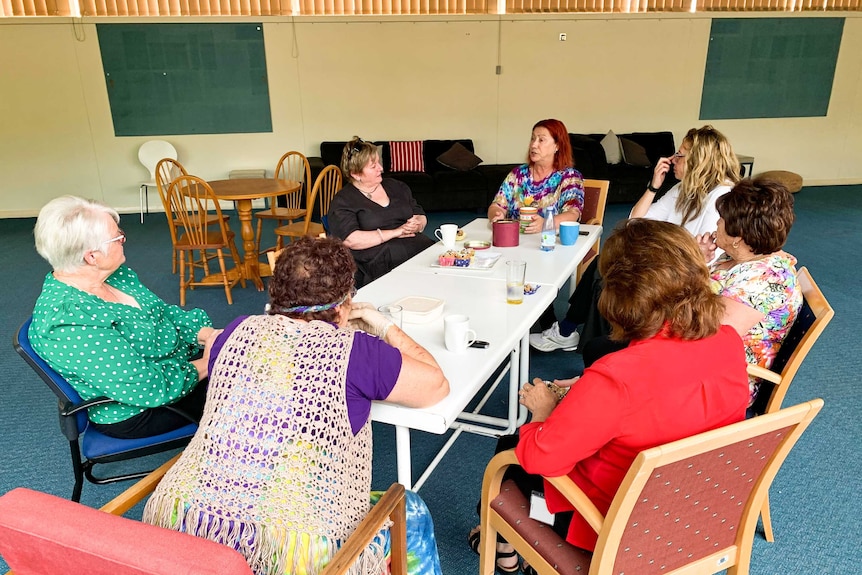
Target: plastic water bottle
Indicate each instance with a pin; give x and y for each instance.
(549, 232)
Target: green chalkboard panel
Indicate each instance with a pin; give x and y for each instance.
(165, 79)
(770, 67)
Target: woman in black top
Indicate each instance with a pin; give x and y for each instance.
(377, 219)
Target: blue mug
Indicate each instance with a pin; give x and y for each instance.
(569, 233)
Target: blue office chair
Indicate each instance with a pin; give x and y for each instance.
(86, 441)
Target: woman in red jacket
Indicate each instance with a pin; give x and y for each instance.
(683, 373)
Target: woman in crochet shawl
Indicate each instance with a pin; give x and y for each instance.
(280, 468)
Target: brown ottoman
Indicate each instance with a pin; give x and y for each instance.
(793, 182)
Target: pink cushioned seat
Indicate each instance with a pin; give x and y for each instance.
(41, 534)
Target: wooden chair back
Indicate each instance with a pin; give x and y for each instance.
(324, 189)
(192, 199)
(813, 317)
(595, 200)
(330, 182)
(293, 166)
(687, 507)
(167, 170)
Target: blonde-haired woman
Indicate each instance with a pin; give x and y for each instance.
(707, 168)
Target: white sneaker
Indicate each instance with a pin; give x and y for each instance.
(550, 339)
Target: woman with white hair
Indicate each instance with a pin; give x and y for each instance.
(100, 328)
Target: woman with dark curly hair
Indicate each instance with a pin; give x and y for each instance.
(754, 275)
(683, 373)
(280, 468)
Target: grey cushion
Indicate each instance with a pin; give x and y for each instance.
(611, 144)
(459, 158)
(634, 154)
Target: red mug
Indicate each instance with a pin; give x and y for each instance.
(505, 233)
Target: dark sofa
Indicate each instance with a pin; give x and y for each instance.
(438, 187)
(628, 182)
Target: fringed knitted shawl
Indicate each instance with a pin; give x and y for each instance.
(274, 470)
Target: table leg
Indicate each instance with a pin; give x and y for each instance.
(402, 455)
(143, 191)
(250, 255)
(524, 373)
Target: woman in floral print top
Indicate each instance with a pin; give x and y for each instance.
(100, 328)
(756, 278)
(547, 179)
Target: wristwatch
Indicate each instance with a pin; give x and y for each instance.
(651, 188)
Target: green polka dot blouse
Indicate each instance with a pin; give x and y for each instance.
(137, 357)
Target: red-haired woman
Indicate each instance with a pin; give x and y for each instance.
(547, 178)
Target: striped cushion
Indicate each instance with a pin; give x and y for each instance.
(407, 156)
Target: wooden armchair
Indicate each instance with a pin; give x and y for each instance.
(686, 507)
(595, 200)
(41, 534)
(814, 316)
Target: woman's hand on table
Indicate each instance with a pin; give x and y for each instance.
(496, 213)
(535, 226)
(365, 316)
(540, 400)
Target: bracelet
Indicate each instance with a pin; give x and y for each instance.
(651, 188)
(382, 239)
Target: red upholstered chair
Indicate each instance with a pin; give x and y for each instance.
(42, 534)
(595, 200)
(686, 507)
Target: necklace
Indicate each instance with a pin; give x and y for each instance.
(368, 194)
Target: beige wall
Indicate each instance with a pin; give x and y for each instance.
(403, 79)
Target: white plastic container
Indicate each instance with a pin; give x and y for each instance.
(420, 309)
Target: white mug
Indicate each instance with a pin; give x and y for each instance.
(446, 233)
(457, 333)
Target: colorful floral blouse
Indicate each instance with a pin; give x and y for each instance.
(564, 189)
(770, 286)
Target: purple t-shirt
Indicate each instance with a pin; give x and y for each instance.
(372, 371)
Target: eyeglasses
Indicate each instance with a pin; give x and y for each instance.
(120, 238)
(355, 147)
(677, 155)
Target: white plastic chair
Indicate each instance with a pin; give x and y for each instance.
(149, 154)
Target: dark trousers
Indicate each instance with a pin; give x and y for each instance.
(528, 483)
(162, 419)
(583, 307)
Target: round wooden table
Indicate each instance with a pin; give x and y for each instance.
(243, 191)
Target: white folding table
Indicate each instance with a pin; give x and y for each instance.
(482, 296)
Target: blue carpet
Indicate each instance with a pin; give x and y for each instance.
(815, 503)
